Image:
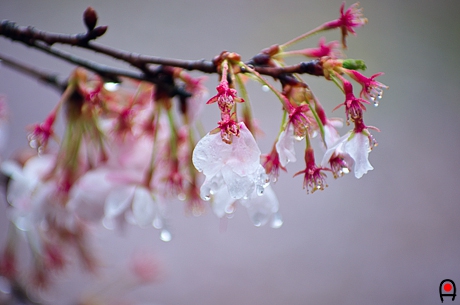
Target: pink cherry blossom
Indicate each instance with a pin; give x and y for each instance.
(323, 49)
(371, 89)
(354, 107)
(349, 20)
(314, 176)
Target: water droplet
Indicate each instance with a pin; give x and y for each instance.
(260, 190)
(165, 235)
(21, 223)
(372, 98)
(206, 197)
(111, 86)
(157, 222)
(277, 221)
(108, 223)
(5, 286)
(345, 170)
(181, 196)
(230, 209)
(265, 88)
(376, 103)
(299, 138)
(33, 143)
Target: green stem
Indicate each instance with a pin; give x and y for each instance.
(317, 118)
(173, 137)
(151, 169)
(336, 82)
(264, 82)
(247, 111)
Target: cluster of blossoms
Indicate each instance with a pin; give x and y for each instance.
(126, 152)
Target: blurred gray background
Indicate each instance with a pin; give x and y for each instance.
(388, 238)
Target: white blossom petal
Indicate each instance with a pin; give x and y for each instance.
(285, 146)
(358, 148)
(210, 154)
(118, 201)
(143, 207)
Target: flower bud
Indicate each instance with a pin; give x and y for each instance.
(90, 18)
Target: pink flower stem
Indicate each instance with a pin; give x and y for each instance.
(303, 36)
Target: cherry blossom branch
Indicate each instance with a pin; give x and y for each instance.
(45, 41)
(51, 79)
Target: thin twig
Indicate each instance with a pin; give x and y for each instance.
(31, 37)
(51, 79)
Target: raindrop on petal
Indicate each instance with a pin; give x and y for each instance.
(260, 190)
(108, 223)
(5, 286)
(157, 222)
(181, 196)
(277, 221)
(111, 86)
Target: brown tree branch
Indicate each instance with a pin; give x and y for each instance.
(51, 79)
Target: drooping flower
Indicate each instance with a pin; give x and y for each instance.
(285, 146)
(349, 20)
(298, 117)
(371, 89)
(271, 163)
(323, 49)
(262, 209)
(226, 98)
(354, 107)
(235, 165)
(41, 133)
(314, 176)
(350, 150)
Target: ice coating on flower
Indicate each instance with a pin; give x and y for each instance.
(261, 208)
(354, 147)
(285, 146)
(235, 165)
(221, 200)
